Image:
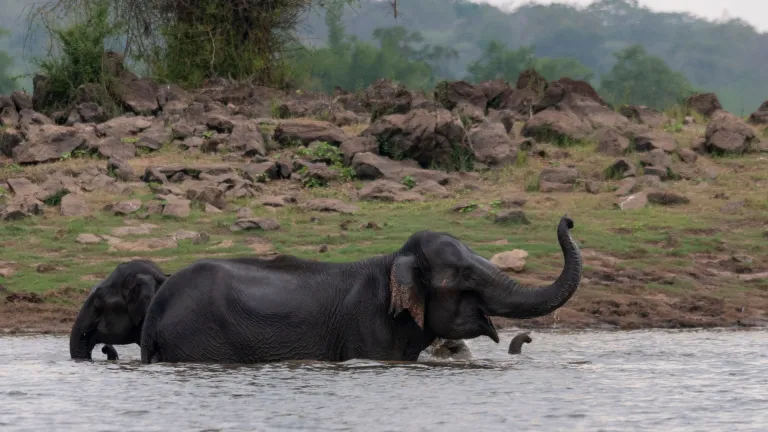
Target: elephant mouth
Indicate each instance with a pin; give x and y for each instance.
(488, 328)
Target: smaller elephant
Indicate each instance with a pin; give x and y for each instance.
(449, 348)
(113, 313)
(517, 343)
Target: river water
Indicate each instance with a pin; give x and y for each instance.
(583, 381)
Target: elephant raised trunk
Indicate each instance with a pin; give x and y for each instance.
(506, 298)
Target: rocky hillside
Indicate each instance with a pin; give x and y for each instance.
(669, 208)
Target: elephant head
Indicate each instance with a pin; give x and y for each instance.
(114, 311)
(452, 291)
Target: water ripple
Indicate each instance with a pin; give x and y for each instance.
(687, 380)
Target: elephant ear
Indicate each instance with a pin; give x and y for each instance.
(405, 294)
(138, 292)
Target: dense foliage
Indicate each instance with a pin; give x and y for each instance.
(80, 48)
(627, 52)
(643, 79)
(728, 57)
(351, 64)
(7, 84)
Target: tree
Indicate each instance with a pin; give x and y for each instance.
(728, 57)
(187, 41)
(352, 64)
(7, 84)
(556, 68)
(498, 62)
(640, 78)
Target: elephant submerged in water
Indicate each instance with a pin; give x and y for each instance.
(389, 307)
(113, 313)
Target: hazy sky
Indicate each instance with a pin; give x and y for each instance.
(754, 12)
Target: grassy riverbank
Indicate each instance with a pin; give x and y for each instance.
(697, 264)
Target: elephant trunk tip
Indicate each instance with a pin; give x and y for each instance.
(515, 346)
(567, 221)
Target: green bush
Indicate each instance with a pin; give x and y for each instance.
(77, 58)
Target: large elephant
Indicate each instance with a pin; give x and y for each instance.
(113, 313)
(390, 307)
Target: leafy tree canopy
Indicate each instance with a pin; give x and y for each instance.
(643, 79)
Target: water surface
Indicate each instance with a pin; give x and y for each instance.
(699, 380)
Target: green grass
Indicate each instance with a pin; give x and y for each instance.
(598, 226)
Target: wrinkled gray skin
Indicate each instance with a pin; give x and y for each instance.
(113, 313)
(515, 346)
(447, 348)
(385, 308)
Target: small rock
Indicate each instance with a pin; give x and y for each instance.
(666, 198)
(626, 187)
(220, 123)
(656, 157)
(431, 187)
(179, 208)
(512, 201)
(277, 200)
(255, 223)
(329, 205)
(154, 207)
(121, 169)
(512, 216)
(201, 238)
(45, 268)
(657, 171)
(511, 260)
(143, 245)
(142, 229)
(124, 208)
(647, 141)
(322, 249)
(592, 187)
(211, 209)
(621, 168)
(632, 202)
(20, 208)
(185, 235)
(387, 190)
(687, 155)
(547, 187)
(732, 207)
(742, 259)
(559, 175)
(371, 225)
(649, 180)
(464, 207)
(86, 238)
(611, 142)
(73, 205)
(244, 213)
